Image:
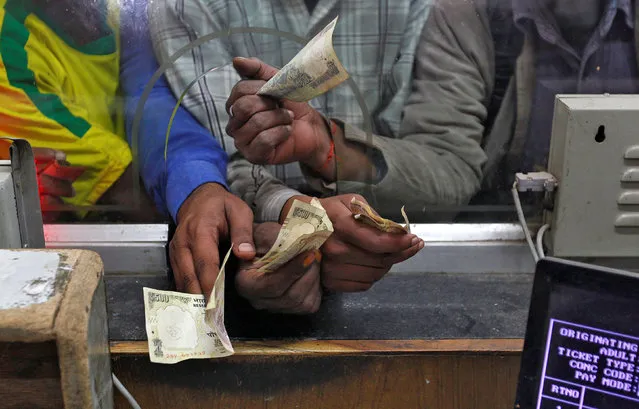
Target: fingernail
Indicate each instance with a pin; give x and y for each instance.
(231, 111)
(414, 241)
(421, 245)
(241, 58)
(60, 155)
(291, 114)
(245, 247)
(308, 260)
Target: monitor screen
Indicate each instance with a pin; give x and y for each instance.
(582, 340)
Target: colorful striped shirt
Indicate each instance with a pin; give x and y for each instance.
(56, 92)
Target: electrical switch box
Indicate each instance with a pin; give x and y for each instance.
(594, 155)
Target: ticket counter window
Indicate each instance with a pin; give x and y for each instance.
(402, 164)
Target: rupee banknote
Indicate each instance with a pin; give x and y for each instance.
(364, 213)
(312, 72)
(305, 228)
(182, 326)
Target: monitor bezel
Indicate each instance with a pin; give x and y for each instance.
(549, 272)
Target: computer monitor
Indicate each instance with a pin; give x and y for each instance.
(582, 339)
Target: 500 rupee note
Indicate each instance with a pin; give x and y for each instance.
(305, 228)
(312, 72)
(181, 326)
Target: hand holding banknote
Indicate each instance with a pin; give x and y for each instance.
(270, 131)
(208, 216)
(272, 123)
(357, 255)
(293, 288)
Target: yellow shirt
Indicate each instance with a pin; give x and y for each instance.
(57, 94)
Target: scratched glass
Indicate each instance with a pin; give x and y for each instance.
(436, 116)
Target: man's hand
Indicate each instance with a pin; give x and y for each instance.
(209, 214)
(267, 131)
(55, 180)
(357, 255)
(294, 288)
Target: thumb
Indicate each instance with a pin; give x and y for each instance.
(253, 68)
(240, 219)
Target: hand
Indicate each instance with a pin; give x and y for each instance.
(207, 215)
(357, 255)
(55, 180)
(267, 131)
(294, 288)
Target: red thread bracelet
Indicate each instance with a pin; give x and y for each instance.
(331, 150)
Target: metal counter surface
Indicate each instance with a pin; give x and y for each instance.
(401, 306)
(470, 281)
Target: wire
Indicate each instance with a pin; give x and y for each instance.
(522, 221)
(540, 240)
(125, 392)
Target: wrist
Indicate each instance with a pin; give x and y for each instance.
(323, 146)
(324, 161)
(208, 188)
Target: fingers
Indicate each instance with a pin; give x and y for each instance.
(375, 241)
(253, 68)
(182, 264)
(339, 251)
(349, 277)
(55, 187)
(303, 297)
(352, 267)
(252, 284)
(206, 260)
(295, 288)
(240, 219)
(365, 237)
(66, 172)
(247, 133)
(353, 272)
(244, 89)
(243, 104)
(395, 258)
(42, 165)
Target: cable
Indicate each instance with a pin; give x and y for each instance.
(125, 392)
(522, 221)
(540, 240)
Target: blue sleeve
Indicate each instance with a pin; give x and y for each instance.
(194, 155)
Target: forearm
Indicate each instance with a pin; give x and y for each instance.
(437, 158)
(263, 192)
(193, 156)
(344, 160)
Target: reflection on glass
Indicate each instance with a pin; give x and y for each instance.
(59, 89)
(459, 96)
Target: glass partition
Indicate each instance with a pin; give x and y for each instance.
(129, 103)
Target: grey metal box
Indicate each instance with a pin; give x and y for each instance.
(9, 226)
(594, 154)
